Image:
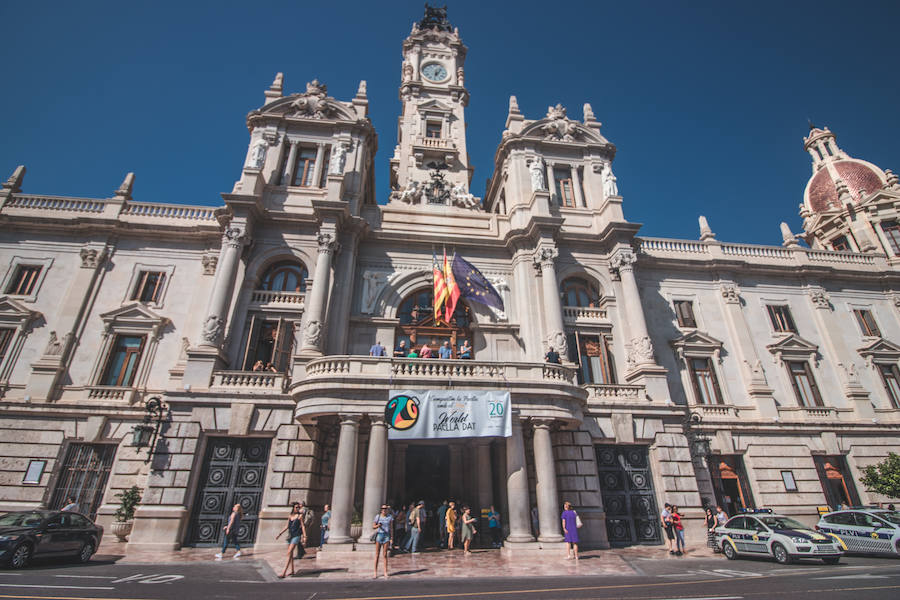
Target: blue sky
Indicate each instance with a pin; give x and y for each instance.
(707, 102)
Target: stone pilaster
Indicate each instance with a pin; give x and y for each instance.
(314, 315)
(376, 462)
(554, 332)
(344, 482)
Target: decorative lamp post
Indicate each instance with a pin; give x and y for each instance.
(146, 433)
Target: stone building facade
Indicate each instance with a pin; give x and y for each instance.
(694, 371)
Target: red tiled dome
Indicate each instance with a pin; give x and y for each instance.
(857, 174)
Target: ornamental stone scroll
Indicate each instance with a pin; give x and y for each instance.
(730, 293)
(327, 243)
(545, 255)
(819, 298)
(235, 237)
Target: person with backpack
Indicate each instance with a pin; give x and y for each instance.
(416, 523)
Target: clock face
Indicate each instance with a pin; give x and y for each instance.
(434, 72)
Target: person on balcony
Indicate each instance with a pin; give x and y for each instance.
(465, 351)
(552, 356)
(425, 352)
(445, 351)
(259, 366)
(377, 350)
(401, 351)
(412, 353)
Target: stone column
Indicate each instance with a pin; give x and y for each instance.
(290, 169)
(317, 171)
(545, 473)
(344, 480)
(375, 474)
(555, 332)
(576, 183)
(483, 470)
(313, 330)
(519, 517)
(641, 351)
(233, 241)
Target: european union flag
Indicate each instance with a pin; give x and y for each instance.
(473, 285)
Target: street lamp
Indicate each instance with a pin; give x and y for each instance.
(146, 433)
(698, 440)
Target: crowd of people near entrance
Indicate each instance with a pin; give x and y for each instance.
(672, 521)
(443, 350)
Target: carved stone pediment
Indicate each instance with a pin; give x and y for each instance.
(434, 106)
(697, 344)
(134, 316)
(880, 351)
(314, 103)
(14, 312)
(793, 347)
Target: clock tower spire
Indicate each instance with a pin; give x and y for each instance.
(430, 163)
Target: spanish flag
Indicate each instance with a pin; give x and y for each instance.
(440, 288)
(452, 289)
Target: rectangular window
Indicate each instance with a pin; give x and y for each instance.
(123, 360)
(269, 345)
(780, 316)
(565, 192)
(867, 322)
(840, 244)
(684, 311)
(6, 336)
(804, 384)
(892, 231)
(306, 167)
(703, 377)
(432, 129)
(149, 286)
(24, 279)
(891, 377)
(790, 484)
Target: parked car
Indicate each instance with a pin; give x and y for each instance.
(37, 533)
(760, 532)
(864, 530)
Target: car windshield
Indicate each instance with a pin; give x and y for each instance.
(782, 523)
(21, 519)
(893, 517)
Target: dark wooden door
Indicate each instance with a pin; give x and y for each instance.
(234, 472)
(626, 486)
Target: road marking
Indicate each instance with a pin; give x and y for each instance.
(708, 598)
(714, 573)
(86, 576)
(240, 581)
(57, 587)
(18, 597)
(150, 579)
(860, 576)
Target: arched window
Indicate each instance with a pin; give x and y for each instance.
(285, 276)
(579, 292)
(418, 327)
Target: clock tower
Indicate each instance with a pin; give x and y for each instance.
(430, 163)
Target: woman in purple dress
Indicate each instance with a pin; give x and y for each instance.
(570, 529)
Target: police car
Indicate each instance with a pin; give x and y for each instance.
(760, 532)
(864, 529)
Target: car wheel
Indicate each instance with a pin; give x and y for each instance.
(20, 556)
(781, 554)
(729, 551)
(833, 560)
(86, 552)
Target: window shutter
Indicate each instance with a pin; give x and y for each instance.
(812, 384)
(252, 334)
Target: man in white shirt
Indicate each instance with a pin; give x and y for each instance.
(71, 505)
(721, 516)
(665, 518)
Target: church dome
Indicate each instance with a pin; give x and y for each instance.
(822, 193)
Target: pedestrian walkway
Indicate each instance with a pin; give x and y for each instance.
(428, 564)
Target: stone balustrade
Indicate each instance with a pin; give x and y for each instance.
(110, 208)
(813, 414)
(435, 142)
(579, 313)
(54, 203)
(249, 382)
(713, 411)
(109, 392)
(663, 248)
(284, 299)
(170, 211)
(615, 393)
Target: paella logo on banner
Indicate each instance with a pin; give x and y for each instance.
(436, 414)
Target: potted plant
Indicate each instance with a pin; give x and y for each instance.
(355, 525)
(128, 501)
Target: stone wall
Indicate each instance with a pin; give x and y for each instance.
(579, 483)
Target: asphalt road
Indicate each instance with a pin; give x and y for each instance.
(855, 578)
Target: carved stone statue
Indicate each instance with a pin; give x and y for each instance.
(313, 334)
(460, 197)
(338, 158)
(257, 155)
(412, 194)
(313, 103)
(435, 18)
(559, 126)
(557, 341)
(212, 330)
(610, 188)
(641, 350)
(373, 283)
(538, 175)
(407, 72)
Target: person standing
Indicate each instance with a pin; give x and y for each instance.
(570, 524)
(445, 351)
(326, 517)
(451, 524)
(71, 505)
(400, 525)
(296, 532)
(307, 514)
(465, 351)
(665, 518)
(721, 516)
(425, 352)
(711, 523)
(535, 522)
(232, 526)
(442, 524)
(494, 527)
(679, 531)
(383, 526)
(552, 356)
(415, 527)
(401, 351)
(377, 350)
(467, 530)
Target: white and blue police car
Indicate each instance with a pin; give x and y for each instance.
(865, 530)
(761, 532)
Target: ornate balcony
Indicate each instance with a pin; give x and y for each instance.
(109, 392)
(613, 393)
(583, 314)
(280, 300)
(248, 382)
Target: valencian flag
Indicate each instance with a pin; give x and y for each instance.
(440, 287)
(453, 292)
(473, 285)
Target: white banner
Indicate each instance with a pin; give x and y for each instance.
(442, 414)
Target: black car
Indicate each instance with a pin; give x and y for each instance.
(31, 533)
